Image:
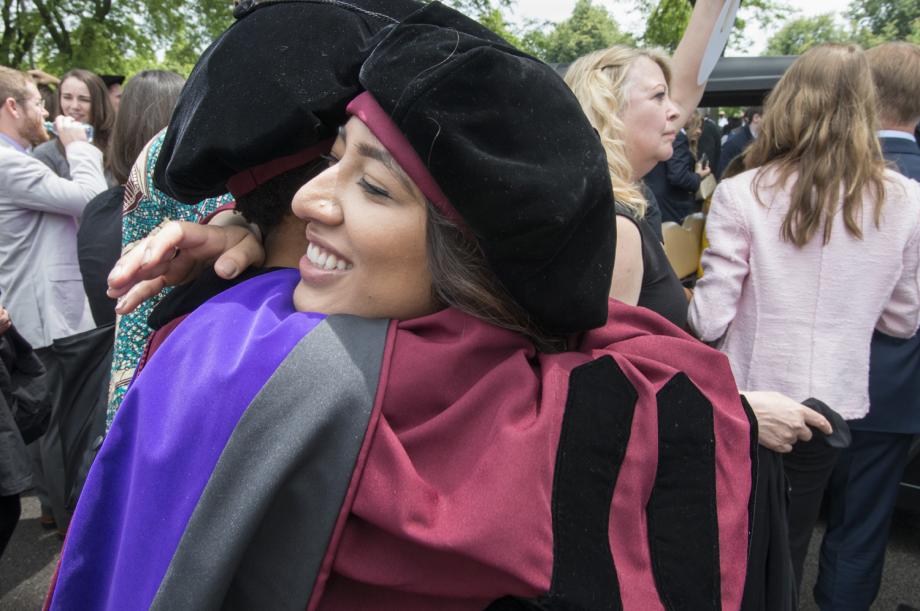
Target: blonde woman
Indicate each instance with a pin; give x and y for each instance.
(637, 104)
(811, 249)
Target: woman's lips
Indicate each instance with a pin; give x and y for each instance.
(320, 265)
(324, 259)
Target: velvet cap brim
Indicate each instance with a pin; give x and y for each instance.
(507, 143)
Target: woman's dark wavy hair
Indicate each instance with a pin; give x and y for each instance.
(269, 203)
(461, 278)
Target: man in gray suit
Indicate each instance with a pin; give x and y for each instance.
(39, 276)
(40, 281)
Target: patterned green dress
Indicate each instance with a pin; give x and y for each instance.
(145, 208)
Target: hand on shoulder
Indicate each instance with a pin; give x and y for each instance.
(176, 252)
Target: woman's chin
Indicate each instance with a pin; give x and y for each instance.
(306, 299)
(642, 168)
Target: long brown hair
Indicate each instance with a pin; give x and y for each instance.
(146, 106)
(461, 278)
(102, 114)
(819, 125)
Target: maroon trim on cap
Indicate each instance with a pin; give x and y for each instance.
(366, 108)
(243, 182)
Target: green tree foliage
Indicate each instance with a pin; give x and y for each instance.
(109, 37)
(883, 20)
(478, 8)
(766, 14)
(798, 35)
(488, 14)
(914, 35)
(666, 20)
(666, 23)
(589, 28)
(494, 19)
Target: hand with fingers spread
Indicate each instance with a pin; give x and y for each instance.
(176, 253)
(5, 322)
(781, 421)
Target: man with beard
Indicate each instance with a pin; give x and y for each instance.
(39, 276)
(40, 283)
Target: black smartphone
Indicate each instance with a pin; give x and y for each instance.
(704, 160)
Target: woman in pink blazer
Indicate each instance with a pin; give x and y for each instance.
(811, 249)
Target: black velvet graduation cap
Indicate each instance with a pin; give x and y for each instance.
(272, 86)
(499, 143)
(112, 79)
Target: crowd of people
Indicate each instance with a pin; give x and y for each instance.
(381, 317)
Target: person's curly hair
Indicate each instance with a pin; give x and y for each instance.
(270, 202)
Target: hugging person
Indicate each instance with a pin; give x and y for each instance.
(439, 408)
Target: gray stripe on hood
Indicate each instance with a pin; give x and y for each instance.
(259, 533)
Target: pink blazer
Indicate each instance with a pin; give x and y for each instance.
(800, 320)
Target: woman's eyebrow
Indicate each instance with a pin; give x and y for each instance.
(384, 157)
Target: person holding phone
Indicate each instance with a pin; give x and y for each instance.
(676, 180)
(710, 143)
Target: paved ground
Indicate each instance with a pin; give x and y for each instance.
(30, 560)
(901, 578)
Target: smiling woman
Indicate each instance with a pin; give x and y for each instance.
(366, 229)
(382, 427)
(75, 102)
(626, 94)
(83, 97)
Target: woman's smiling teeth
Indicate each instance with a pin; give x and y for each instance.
(323, 259)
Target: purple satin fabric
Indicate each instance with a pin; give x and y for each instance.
(167, 438)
